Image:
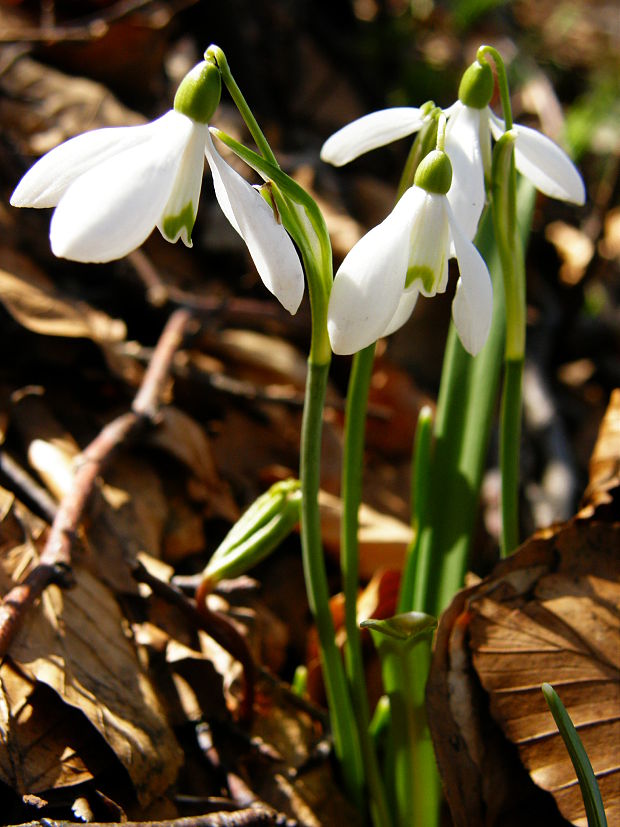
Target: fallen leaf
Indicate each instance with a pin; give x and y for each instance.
(548, 613)
(76, 643)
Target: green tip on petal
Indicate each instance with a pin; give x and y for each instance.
(424, 274)
(434, 173)
(199, 93)
(173, 224)
(476, 87)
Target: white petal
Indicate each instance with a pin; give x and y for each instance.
(472, 307)
(543, 163)
(112, 209)
(467, 193)
(403, 311)
(180, 212)
(370, 132)
(429, 243)
(268, 242)
(370, 282)
(46, 182)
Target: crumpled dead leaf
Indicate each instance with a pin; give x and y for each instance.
(549, 613)
(33, 302)
(76, 643)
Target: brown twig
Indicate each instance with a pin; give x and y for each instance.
(241, 818)
(54, 564)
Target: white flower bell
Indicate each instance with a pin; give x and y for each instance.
(470, 125)
(377, 284)
(111, 187)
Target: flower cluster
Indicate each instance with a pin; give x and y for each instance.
(111, 187)
(376, 287)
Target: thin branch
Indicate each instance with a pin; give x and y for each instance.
(54, 564)
(248, 817)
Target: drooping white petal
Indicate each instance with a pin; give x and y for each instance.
(429, 243)
(179, 213)
(403, 311)
(370, 282)
(543, 163)
(111, 209)
(472, 307)
(370, 132)
(467, 193)
(269, 244)
(45, 183)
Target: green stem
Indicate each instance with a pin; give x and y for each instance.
(357, 403)
(416, 786)
(591, 794)
(502, 80)
(217, 56)
(416, 571)
(510, 441)
(346, 742)
(465, 409)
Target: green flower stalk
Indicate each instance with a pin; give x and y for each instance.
(303, 220)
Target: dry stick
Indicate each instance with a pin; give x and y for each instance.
(241, 818)
(55, 561)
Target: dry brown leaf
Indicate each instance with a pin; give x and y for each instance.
(183, 438)
(43, 742)
(383, 539)
(76, 643)
(42, 107)
(43, 311)
(549, 613)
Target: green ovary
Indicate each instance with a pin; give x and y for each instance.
(424, 273)
(173, 224)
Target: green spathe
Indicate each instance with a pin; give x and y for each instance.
(173, 224)
(434, 173)
(476, 88)
(199, 93)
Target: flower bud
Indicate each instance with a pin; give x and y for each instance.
(266, 523)
(199, 93)
(476, 88)
(434, 173)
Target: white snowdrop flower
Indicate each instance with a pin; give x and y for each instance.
(111, 187)
(377, 285)
(470, 126)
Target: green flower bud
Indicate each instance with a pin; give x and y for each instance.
(266, 523)
(199, 93)
(434, 173)
(476, 87)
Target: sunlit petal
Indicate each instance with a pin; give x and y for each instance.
(473, 303)
(46, 182)
(269, 244)
(370, 282)
(403, 311)
(112, 209)
(179, 213)
(467, 193)
(429, 243)
(370, 132)
(544, 164)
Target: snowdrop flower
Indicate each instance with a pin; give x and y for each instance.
(377, 285)
(471, 124)
(111, 187)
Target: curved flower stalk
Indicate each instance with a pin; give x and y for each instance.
(111, 187)
(377, 284)
(470, 126)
